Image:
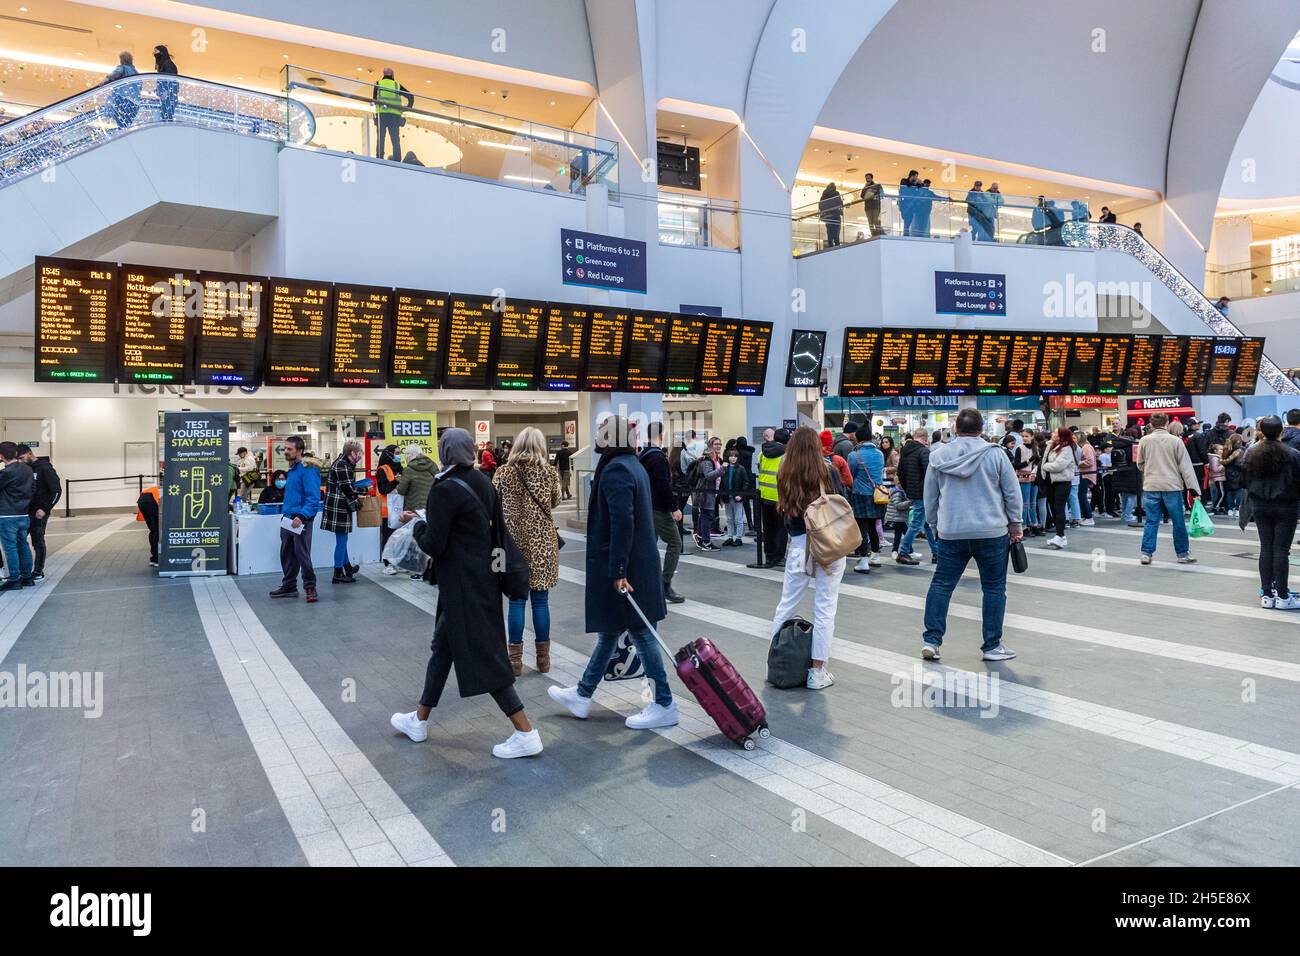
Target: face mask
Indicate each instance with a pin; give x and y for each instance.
(280, 482)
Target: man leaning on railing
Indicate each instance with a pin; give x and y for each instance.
(388, 96)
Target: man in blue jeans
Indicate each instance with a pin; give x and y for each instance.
(622, 566)
(17, 485)
(1167, 474)
(973, 499)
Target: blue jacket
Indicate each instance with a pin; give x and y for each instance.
(302, 490)
(621, 543)
(867, 465)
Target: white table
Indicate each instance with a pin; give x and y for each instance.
(257, 544)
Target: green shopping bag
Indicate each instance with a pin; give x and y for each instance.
(1201, 526)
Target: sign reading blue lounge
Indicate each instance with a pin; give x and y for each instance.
(970, 293)
(602, 262)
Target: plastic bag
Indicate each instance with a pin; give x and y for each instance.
(625, 664)
(1201, 526)
(402, 552)
(395, 508)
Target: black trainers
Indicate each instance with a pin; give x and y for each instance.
(671, 596)
(38, 575)
(283, 591)
(343, 576)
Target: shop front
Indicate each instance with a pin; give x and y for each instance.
(901, 415)
(1083, 411)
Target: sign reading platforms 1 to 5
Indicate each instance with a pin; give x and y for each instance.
(602, 262)
(970, 293)
(195, 520)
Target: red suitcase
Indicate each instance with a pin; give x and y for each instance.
(718, 687)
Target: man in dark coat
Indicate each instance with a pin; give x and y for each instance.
(913, 462)
(622, 566)
(1125, 479)
(469, 626)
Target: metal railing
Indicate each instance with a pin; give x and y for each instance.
(702, 223)
(69, 482)
(70, 127)
(447, 137)
(1097, 235)
(1247, 280)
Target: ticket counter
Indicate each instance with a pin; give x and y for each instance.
(257, 544)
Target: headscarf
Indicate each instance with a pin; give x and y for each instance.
(456, 447)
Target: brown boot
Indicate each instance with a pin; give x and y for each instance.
(516, 658)
(543, 656)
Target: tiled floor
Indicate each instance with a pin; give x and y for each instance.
(1150, 719)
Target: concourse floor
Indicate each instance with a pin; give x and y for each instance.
(1152, 718)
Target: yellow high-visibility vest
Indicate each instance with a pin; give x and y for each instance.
(767, 469)
(388, 96)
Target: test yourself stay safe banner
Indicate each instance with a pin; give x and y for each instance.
(195, 520)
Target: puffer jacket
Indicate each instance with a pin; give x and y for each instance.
(1059, 464)
(417, 479)
(529, 489)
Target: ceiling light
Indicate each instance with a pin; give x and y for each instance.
(117, 26)
(552, 102)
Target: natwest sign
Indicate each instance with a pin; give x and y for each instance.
(1175, 406)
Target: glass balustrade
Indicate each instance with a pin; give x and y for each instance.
(356, 116)
(1247, 280)
(56, 133)
(703, 222)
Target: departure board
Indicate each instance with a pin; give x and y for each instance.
(1248, 362)
(1223, 366)
(720, 339)
(606, 342)
(751, 357)
(1168, 376)
(959, 363)
(419, 339)
(75, 304)
(1054, 365)
(994, 362)
(360, 354)
(519, 342)
(297, 352)
(894, 362)
(1141, 365)
(1196, 364)
(469, 341)
(647, 347)
(1085, 364)
(1112, 368)
(1022, 370)
(928, 369)
(566, 327)
(685, 343)
(155, 344)
(858, 363)
(230, 332)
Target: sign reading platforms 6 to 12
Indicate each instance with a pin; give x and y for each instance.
(602, 262)
(195, 520)
(970, 293)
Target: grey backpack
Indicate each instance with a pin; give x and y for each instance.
(790, 655)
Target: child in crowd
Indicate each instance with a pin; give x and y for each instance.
(896, 515)
(1218, 480)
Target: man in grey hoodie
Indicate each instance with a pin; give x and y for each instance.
(973, 500)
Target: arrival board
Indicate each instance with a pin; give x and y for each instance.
(1248, 362)
(994, 363)
(519, 338)
(419, 337)
(360, 354)
(685, 341)
(469, 341)
(566, 327)
(858, 362)
(751, 357)
(229, 337)
(720, 338)
(647, 345)
(299, 347)
(959, 363)
(1223, 361)
(75, 307)
(606, 340)
(155, 341)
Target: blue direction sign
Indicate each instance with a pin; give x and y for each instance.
(602, 262)
(970, 293)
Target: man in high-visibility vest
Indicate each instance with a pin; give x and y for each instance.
(388, 97)
(769, 463)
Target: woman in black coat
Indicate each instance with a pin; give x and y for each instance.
(387, 470)
(622, 566)
(469, 627)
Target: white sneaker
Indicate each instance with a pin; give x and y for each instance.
(894, 555)
(519, 744)
(1288, 603)
(390, 569)
(863, 566)
(875, 559)
(819, 678)
(574, 702)
(1267, 600)
(999, 653)
(1087, 523)
(1058, 542)
(417, 730)
(1146, 558)
(929, 652)
(654, 715)
(1187, 559)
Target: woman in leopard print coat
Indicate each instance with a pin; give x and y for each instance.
(529, 487)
